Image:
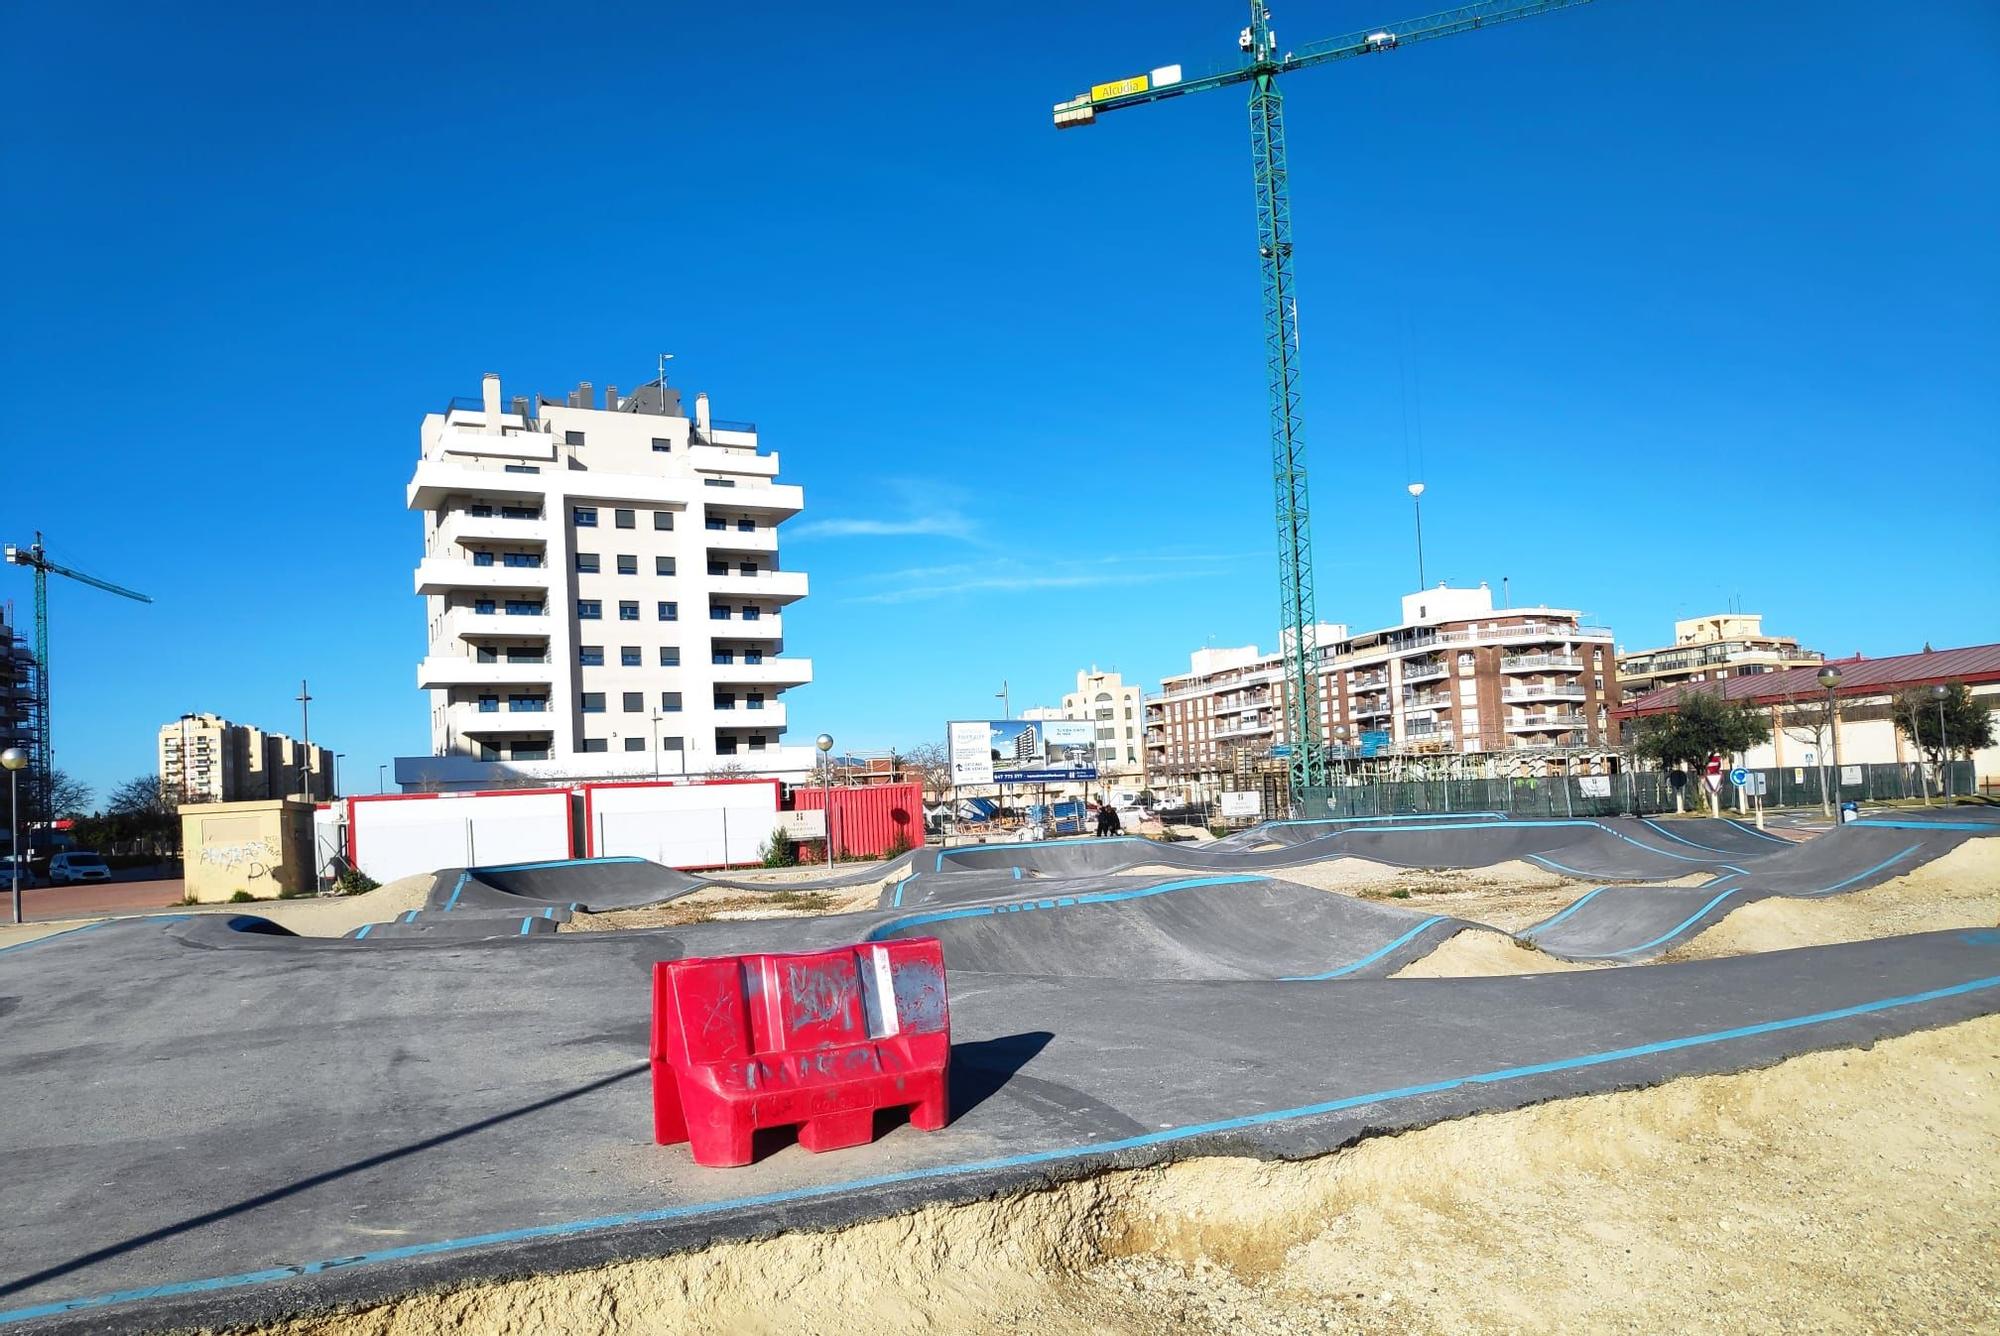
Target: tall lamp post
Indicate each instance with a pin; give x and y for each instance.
(382, 778)
(1829, 677)
(15, 760)
(825, 744)
(1939, 693)
(336, 774)
(1417, 501)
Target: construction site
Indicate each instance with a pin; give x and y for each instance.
(1416, 1029)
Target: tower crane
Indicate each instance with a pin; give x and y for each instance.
(36, 559)
(1262, 62)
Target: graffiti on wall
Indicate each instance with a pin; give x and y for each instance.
(240, 853)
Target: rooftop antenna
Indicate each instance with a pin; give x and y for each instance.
(664, 359)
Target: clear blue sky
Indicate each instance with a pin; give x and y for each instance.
(1685, 302)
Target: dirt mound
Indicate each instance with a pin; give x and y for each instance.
(338, 915)
(1844, 1191)
(1479, 955)
(1959, 890)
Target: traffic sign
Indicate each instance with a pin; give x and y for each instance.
(1282, 749)
(1739, 776)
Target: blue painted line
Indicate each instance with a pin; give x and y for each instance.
(1166, 1136)
(526, 924)
(1094, 898)
(54, 936)
(1679, 839)
(940, 862)
(557, 862)
(549, 913)
(1546, 924)
(1017, 872)
(897, 902)
(575, 905)
(452, 903)
(410, 917)
(1410, 816)
(1749, 829)
(1671, 933)
(1366, 960)
(1891, 824)
(1887, 862)
(364, 930)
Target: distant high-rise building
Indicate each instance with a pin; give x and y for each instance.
(603, 593)
(1710, 649)
(205, 758)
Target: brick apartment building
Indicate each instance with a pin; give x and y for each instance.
(1456, 687)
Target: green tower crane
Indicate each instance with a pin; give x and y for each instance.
(1261, 64)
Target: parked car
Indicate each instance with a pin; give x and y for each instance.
(27, 862)
(70, 868)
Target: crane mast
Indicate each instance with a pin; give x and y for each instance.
(1262, 64)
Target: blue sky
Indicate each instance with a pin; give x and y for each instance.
(1678, 304)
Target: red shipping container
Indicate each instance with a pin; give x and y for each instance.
(869, 821)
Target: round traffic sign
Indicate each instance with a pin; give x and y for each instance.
(1738, 776)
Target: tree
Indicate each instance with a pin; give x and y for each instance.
(1967, 723)
(144, 795)
(726, 770)
(1702, 724)
(1809, 719)
(931, 762)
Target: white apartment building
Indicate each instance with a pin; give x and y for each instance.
(205, 758)
(1118, 713)
(603, 593)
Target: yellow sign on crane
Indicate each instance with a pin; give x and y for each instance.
(1119, 88)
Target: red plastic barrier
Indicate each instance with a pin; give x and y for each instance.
(820, 1039)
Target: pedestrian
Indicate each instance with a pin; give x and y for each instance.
(1105, 816)
(1117, 826)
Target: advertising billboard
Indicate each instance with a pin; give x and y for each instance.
(1021, 751)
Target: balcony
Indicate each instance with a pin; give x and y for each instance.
(1363, 681)
(469, 624)
(1371, 709)
(1564, 691)
(776, 586)
(443, 671)
(1541, 663)
(737, 627)
(467, 718)
(1425, 672)
(462, 526)
(1433, 701)
(775, 670)
(768, 716)
(443, 575)
(1243, 729)
(436, 481)
(731, 461)
(1543, 723)
(732, 539)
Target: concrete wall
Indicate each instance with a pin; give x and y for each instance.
(264, 848)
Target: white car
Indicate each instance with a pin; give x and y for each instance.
(67, 869)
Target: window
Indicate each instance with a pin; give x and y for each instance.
(746, 526)
(589, 610)
(670, 744)
(635, 744)
(725, 700)
(634, 701)
(746, 568)
(718, 612)
(590, 656)
(531, 751)
(670, 701)
(489, 705)
(721, 656)
(725, 746)
(572, 438)
(482, 558)
(628, 565)
(754, 701)
(526, 704)
(586, 563)
(487, 753)
(670, 611)
(718, 568)
(482, 655)
(625, 519)
(520, 468)
(718, 482)
(518, 655)
(628, 657)
(593, 702)
(628, 610)
(751, 614)
(663, 565)
(480, 512)
(520, 512)
(670, 656)
(753, 656)
(663, 519)
(522, 607)
(519, 560)
(484, 607)
(584, 517)
(715, 522)
(593, 744)
(757, 742)
(662, 446)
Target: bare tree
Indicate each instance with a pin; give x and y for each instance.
(930, 763)
(1808, 719)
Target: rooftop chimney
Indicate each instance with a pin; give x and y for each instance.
(611, 398)
(521, 407)
(701, 412)
(586, 395)
(489, 388)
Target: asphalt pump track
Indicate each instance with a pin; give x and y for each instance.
(210, 1120)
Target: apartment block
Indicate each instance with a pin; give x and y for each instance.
(602, 592)
(20, 725)
(205, 758)
(1455, 683)
(1710, 649)
(1117, 712)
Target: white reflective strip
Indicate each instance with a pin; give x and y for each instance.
(885, 991)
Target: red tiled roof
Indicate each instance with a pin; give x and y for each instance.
(1858, 677)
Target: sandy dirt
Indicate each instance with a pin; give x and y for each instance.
(309, 916)
(723, 904)
(1959, 890)
(1477, 955)
(1846, 1191)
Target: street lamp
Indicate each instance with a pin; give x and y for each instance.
(1417, 501)
(15, 760)
(1829, 677)
(1939, 693)
(825, 744)
(382, 778)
